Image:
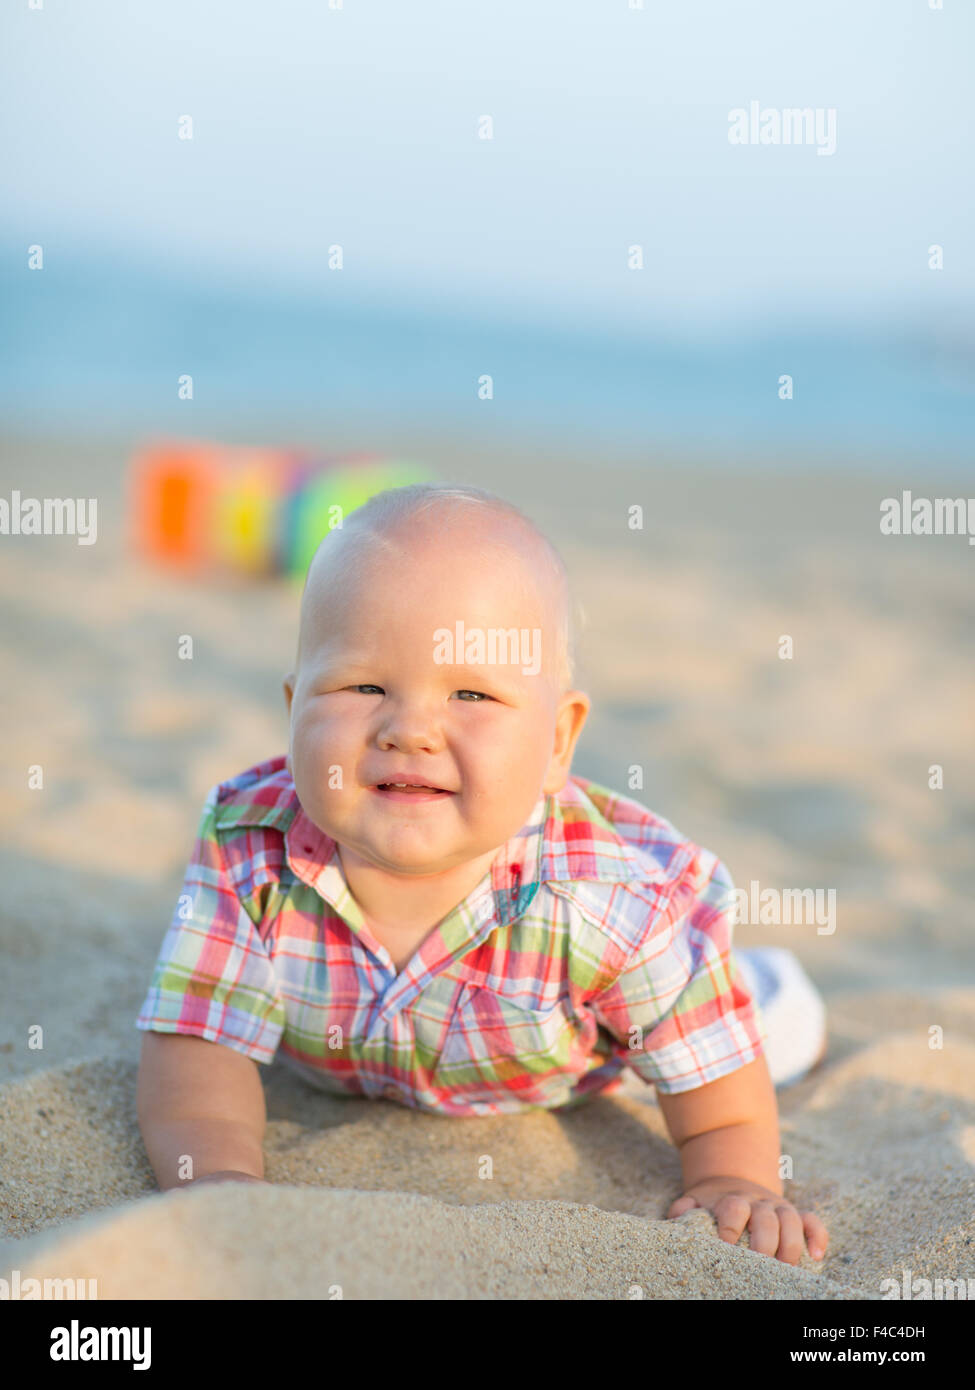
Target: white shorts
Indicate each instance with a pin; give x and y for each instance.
(790, 1006)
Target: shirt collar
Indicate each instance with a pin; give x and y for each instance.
(566, 838)
(515, 873)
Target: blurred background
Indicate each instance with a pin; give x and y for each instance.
(294, 206)
(359, 127)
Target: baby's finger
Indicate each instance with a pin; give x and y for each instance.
(681, 1205)
(817, 1236)
(763, 1229)
(790, 1235)
(731, 1213)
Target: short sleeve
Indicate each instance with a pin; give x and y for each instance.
(213, 978)
(679, 1013)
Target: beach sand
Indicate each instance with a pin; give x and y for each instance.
(809, 773)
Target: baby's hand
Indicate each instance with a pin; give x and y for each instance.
(224, 1175)
(774, 1225)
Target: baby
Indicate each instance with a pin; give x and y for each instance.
(421, 902)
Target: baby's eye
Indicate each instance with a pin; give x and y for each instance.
(477, 694)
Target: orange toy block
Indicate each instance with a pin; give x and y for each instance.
(174, 489)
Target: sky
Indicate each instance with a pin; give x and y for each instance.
(357, 126)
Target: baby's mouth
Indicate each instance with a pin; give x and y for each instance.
(410, 789)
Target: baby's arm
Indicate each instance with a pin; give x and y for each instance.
(202, 1100)
(727, 1133)
(729, 1127)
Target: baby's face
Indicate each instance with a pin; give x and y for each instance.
(370, 705)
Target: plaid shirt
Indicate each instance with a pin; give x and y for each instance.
(599, 939)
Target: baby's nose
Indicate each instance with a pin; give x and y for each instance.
(412, 731)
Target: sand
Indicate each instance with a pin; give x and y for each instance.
(810, 772)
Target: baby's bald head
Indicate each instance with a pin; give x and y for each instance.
(435, 648)
(401, 524)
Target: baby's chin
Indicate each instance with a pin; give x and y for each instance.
(417, 864)
(414, 850)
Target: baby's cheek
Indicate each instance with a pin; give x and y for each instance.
(318, 749)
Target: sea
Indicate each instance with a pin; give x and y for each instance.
(92, 345)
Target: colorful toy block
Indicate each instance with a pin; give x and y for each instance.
(258, 511)
(172, 491)
(328, 497)
(244, 509)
